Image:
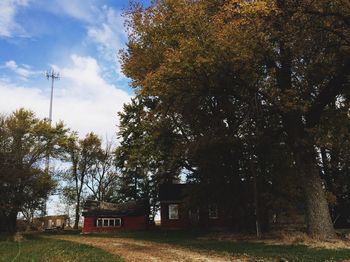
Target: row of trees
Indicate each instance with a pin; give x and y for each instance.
(92, 171)
(249, 99)
(90, 168)
(26, 143)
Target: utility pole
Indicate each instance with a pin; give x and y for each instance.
(53, 76)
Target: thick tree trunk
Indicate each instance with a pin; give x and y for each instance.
(318, 219)
(13, 222)
(319, 223)
(8, 223)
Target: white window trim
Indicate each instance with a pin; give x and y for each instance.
(176, 217)
(102, 219)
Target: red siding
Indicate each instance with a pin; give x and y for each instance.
(128, 223)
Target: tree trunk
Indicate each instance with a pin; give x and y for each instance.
(256, 200)
(13, 222)
(318, 219)
(8, 223)
(77, 215)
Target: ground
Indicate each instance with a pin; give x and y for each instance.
(159, 245)
(211, 246)
(39, 249)
(132, 250)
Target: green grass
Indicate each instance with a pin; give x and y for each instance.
(260, 250)
(38, 249)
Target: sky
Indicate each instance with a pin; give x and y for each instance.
(80, 40)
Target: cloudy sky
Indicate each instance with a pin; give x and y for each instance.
(79, 39)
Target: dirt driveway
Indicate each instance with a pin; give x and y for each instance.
(137, 250)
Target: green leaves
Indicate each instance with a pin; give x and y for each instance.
(25, 142)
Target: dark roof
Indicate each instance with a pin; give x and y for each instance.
(99, 208)
(172, 192)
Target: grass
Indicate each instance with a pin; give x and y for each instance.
(200, 240)
(46, 249)
(36, 248)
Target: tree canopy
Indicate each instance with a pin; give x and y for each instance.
(239, 79)
(25, 143)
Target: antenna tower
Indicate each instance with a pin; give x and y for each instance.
(53, 76)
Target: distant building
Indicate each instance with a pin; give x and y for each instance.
(53, 222)
(111, 217)
(44, 223)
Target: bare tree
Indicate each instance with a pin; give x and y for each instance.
(102, 179)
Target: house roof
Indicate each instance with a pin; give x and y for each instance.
(172, 192)
(99, 208)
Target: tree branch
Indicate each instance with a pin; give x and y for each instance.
(334, 87)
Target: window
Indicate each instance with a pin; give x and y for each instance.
(109, 222)
(174, 211)
(118, 222)
(213, 212)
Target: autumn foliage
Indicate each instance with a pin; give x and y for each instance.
(247, 79)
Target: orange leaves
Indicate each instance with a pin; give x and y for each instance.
(175, 43)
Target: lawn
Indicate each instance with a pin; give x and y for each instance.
(45, 248)
(36, 248)
(199, 240)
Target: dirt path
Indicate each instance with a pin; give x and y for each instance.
(137, 250)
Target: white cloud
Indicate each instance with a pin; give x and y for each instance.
(23, 71)
(83, 10)
(104, 27)
(110, 32)
(8, 10)
(82, 99)
(109, 35)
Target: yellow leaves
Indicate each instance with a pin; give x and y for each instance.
(179, 40)
(242, 27)
(259, 7)
(176, 40)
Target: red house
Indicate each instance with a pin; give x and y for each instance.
(111, 217)
(177, 213)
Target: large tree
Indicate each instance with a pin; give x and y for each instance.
(25, 142)
(147, 154)
(206, 61)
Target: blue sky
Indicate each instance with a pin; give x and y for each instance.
(78, 38)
